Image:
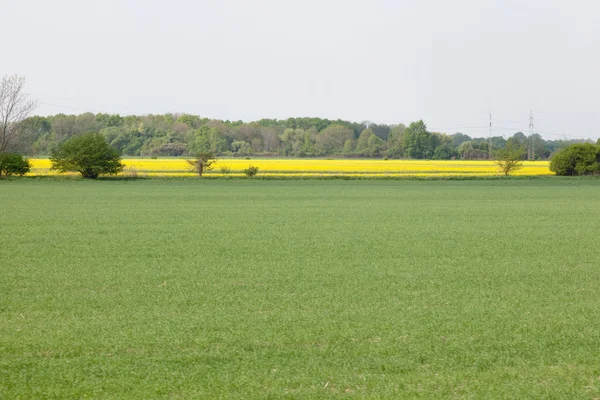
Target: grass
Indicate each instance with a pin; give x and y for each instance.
(299, 289)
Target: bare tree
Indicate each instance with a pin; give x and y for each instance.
(15, 106)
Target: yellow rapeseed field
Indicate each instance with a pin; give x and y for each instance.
(315, 167)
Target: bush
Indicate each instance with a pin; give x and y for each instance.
(225, 170)
(13, 164)
(251, 171)
(89, 154)
(577, 159)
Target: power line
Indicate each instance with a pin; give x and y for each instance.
(530, 150)
(490, 138)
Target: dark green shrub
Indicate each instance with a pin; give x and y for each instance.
(577, 159)
(89, 154)
(13, 164)
(251, 171)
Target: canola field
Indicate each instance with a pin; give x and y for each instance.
(316, 167)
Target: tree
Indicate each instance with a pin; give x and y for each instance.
(13, 164)
(32, 133)
(332, 139)
(509, 159)
(418, 142)
(202, 162)
(362, 144)
(89, 154)
(395, 141)
(15, 106)
(577, 159)
(459, 138)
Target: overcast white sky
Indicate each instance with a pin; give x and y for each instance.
(386, 61)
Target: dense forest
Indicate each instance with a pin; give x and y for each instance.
(184, 134)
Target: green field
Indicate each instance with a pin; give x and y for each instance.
(299, 289)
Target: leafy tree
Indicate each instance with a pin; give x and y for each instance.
(577, 159)
(362, 144)
(395, 135)
(106, 120)
(308, 146)
(418, 142)
(459, 138)
(374, 146)
(510, 158)
(395, 141)
(241, 147)
(382, 131)
(520, 139)
(32, 130)
(332, 139)
(202, 162)
(444, 151)
(89, 154)
(193, 121)
(473, 150)
(349, 146)
(13, 164)
(63, 126)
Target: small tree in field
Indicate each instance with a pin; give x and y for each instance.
(13, 164)
(251, 171)
(510, 159)
(202, 162)
(89, 154)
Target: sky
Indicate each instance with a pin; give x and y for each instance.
(386, 61)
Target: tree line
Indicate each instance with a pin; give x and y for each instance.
(184, 134)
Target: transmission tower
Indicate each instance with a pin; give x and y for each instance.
(490, 138)
(530, 150)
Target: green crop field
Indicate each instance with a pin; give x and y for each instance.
(299, 289)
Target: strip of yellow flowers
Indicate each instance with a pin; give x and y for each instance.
(315, 167)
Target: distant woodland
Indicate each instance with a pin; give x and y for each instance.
(183, 134)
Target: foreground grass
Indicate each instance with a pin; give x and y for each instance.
(299, 289)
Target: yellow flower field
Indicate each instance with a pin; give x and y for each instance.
(315, 167)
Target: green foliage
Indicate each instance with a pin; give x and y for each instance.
(89, 154)
(577, 159)
(332, 139)
(241, 147)
(251, 289)
(13, 164)
(175, 135)
(251, 171)
(473, 150)
(109, 119)
(202, 162)
(418, 142)
(510, 158)
(444, 151)
(225, 170)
